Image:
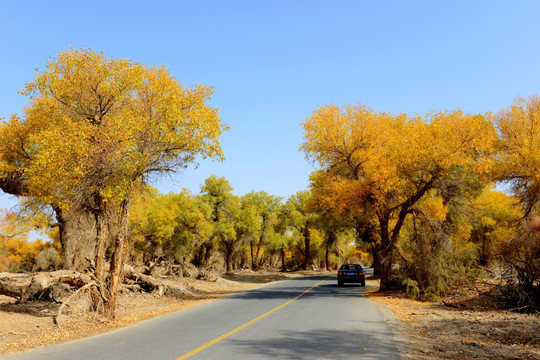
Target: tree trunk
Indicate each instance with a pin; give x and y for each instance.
(388, 241)
(283, 268)
(485, 251)
(208, 246)
(117, 262)
(255, 266)
(100, 243)
(98, 293)
(76, 227)
(329, 244)
(384, 254)
(255, 261)
(77, 231)
(307, 247)
(376, 261)
(252, 254)
(197, 260)
(327, 258)
(229, 257)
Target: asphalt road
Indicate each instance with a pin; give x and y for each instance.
(302, 318)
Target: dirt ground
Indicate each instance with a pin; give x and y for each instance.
(461, 327)
(464, 330)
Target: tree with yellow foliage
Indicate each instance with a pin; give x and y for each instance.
(384, 164)
(224, 216)
(493, 218)
(519, 156)
(94, 129)
(518, 163)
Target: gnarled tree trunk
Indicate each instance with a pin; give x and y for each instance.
(78, 237)
(76, 226)
(117, 261)
(332, 238)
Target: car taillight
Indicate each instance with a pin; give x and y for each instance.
(361, 273)
(340, 273)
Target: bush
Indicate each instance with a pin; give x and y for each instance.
(436, 258)
(520, 287)
(411, 287)
(47, 259)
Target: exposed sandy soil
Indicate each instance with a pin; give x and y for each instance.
(467, 330)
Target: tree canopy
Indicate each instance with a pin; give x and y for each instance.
(385, 163)
(96, 125)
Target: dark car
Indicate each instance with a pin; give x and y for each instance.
(351, 273)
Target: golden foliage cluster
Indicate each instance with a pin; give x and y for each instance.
(386, 158)
(100, 124)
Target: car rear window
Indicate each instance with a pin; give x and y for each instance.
(350, 267)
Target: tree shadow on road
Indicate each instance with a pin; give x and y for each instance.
(326, 289)
(320, 344)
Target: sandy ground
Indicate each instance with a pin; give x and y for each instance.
(427, 330)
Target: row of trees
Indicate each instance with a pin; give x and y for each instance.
(214, 229)
(415, 190)
(95, 131)
(217, 229)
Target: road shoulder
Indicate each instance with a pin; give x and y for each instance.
(398, 329)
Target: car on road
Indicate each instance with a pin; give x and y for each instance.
(351, 273)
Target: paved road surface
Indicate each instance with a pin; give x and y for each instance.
(302, 318)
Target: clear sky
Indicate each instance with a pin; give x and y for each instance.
(273, 62)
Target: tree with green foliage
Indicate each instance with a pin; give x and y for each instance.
(216, 193)
(266, 208)
(302, 220)
(169, 226)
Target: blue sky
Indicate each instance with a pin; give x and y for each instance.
(273, 62)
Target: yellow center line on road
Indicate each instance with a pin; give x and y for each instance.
(226, 335)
